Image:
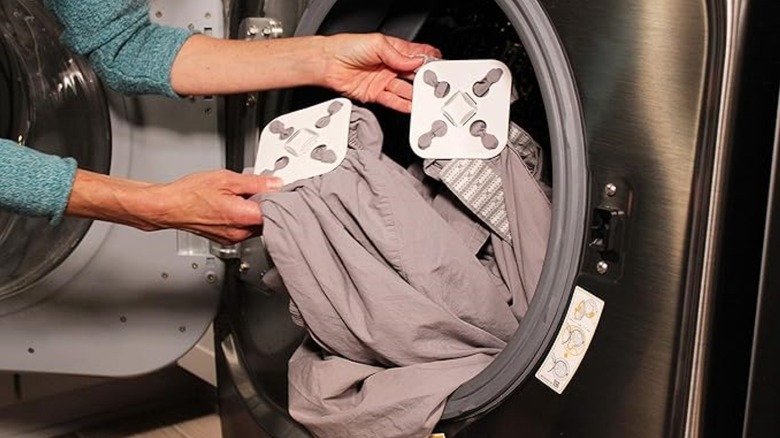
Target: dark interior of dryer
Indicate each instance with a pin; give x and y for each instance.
(51, 102)
(463, 29)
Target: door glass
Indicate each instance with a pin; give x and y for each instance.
(52, 102)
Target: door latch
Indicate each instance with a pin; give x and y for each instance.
(608, 233)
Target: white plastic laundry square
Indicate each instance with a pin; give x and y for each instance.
(305, 143)
(461, 109)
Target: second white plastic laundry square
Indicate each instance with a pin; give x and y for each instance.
(461, 109)
(305, 143)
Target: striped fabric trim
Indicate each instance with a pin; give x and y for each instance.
(481, 189)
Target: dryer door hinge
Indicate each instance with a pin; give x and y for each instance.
(260, 28)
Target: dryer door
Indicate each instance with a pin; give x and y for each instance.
(261, 336)
(92, 298)
(655, 95)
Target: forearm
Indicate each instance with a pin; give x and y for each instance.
(101, 197)
(207, 65)
(212, 204)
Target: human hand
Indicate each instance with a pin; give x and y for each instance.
(210, 204)
(373, 67)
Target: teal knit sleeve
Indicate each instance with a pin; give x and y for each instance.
(131, 54)
(33, 183)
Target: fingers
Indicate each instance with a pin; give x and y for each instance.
(401, 89)
(409, 48)
(396, 60)
(254, 184)
(244, 213)
(395, 102)
(229, 236)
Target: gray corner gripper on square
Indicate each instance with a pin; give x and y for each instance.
(440, 88)
(277, 127)
(438, 129)
(482, 87)
(479, 129)
(323, 154)
(280, 164)
(333, 109)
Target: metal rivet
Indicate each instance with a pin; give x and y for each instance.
(252, 31)
(158, 14)
(123, 319)
(164, 275)
(208, 15)
(195, 266)
(191, 26)
(31, 350)
(211, 278)
(182, 329)
(602, 267)
(244, 268)
(266, 31)
(610, 190)
(251, 101)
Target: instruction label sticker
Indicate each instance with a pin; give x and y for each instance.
(573, 341)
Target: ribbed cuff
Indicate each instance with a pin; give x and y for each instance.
(61, 194)
(33, 183)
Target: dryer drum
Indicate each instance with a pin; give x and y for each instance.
(52, 102)
(520, 34)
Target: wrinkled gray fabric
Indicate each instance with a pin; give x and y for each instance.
(527, 207)
(384, 274)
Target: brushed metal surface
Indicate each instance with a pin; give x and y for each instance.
(733, 27)
(641, 69)
(654, 92)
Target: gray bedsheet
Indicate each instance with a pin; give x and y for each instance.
(404, 293)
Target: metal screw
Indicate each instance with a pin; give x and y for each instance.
(267, 31)
(191, 26)
(158, 14)
(244, 268)
(252, 31)
(195, 266)
(610, 190)
(182, 329)
(251, 101)
(123, 319)
(164, 275)
(211, 278)
(602, 267)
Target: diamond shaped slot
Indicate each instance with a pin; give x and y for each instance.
(460, 109)
(301, 143)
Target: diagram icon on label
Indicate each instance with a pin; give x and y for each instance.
(572, 342)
